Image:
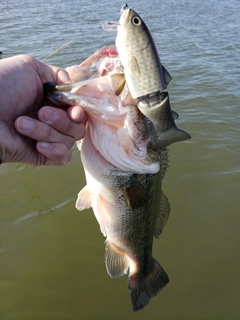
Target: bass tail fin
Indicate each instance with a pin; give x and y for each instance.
(143, 288)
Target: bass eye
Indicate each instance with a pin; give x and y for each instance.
(136, 21)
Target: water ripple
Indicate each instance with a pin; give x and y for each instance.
(42, 212)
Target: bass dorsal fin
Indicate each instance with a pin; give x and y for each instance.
(163, 215)
(134, 193)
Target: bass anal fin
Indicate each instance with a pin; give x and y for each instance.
(117, 263)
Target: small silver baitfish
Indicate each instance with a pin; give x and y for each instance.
(145, 75)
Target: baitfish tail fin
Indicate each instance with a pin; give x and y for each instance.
(143, 288)
(158, 110)
(173, 135)
(117, 263)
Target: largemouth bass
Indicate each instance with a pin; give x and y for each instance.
(123, 169)
(146, 77)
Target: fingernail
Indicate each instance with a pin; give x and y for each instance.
(63, 76)
(44, 145)
(26, 124)
(48, 114)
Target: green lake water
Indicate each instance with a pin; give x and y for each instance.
(51, 255)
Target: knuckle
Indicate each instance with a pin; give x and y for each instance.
(70, 142)
(60, 154)
(79, 132)
(46, 133)
(68, 126)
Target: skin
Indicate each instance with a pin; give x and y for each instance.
(32, 129)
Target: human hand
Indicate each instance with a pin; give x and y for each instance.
(31, 129)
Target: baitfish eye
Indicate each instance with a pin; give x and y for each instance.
(136, 21)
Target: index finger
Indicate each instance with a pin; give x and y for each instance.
(77, 114)
(61, 122)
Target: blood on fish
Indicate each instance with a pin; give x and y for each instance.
(108, 51)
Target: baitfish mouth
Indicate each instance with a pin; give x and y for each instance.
(113, 25)
(124, 7)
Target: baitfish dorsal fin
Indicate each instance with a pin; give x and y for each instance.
(166, 75)
(175, 115)
(116, 262)
(163, 215)
(134, 193)
(133, 66)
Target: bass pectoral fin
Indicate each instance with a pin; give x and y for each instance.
(84, 200)
(133, 66)
(116, 262)
(134, 193)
